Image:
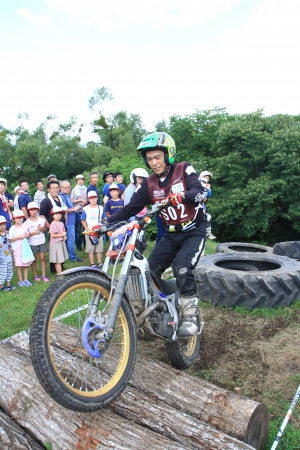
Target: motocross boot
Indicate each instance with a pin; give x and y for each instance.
(209, 234)
(189, 314)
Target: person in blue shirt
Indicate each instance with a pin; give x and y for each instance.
(94, 178)
(113, 205)
(24, 198)
(118, 180)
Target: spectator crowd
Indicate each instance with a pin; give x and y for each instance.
(63, 213)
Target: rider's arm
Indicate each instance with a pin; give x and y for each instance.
(195, 191)
(138, 201)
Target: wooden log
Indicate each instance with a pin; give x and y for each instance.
(28, 404)
(23, 398)
(235, 415)
(12, 436)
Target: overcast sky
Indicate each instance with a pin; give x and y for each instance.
(158, 57)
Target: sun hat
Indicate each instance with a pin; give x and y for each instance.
(4, 181)
(56, 209)
(32, 205)
(17, 213)
(16, 189)
(92, 194)
(113, 186)
(79, 176)
(51, 176)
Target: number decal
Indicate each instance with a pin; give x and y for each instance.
(182, 213)
(172, 214)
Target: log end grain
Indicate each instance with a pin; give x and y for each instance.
(258, 428)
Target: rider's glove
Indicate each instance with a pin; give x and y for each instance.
(176, 199)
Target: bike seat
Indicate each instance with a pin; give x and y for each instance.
(168, 287)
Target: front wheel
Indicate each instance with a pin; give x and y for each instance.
(71, 375)
(183, 352)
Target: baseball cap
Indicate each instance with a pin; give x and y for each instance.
(16, 189)
(17, 213)
(2, 219)
(113, 186)
(106, 173)
(92, 194)
(51, 175)
(32, 205)
(79, 176)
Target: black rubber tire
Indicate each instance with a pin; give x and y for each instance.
(291, 249)
(276, 281)
(232, 247)
(183, 352)
(68, 373)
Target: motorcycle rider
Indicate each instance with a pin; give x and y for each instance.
(184, 240)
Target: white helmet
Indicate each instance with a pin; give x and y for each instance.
(205, 173)
(138, 172)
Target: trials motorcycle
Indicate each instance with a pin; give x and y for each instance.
(84, 331)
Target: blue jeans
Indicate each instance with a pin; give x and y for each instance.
(78, 229)
(71, 242)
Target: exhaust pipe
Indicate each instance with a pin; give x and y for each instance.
(153, 307)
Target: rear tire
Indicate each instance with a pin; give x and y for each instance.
(183, 352)
(66, 369)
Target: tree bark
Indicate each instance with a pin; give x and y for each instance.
(152, 423)
(12, 436)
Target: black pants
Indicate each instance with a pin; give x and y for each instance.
(182, 251)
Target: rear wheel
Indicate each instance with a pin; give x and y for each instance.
(183, 352)
(72, 373)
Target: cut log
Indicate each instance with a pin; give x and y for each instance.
(12, 436)
(235, 415)
(27, 403)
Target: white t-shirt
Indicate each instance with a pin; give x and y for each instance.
(92, 216)
(30, 225)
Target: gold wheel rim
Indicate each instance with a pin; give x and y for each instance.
(125, 346)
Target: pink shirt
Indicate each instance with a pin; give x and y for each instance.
(56, 227)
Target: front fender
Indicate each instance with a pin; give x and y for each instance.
(98, 271)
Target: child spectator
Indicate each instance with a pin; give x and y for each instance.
(17, 233)
(40, 194)
(112, 206)
(6, 266)
(58, 236)
(36, 228)
(91, 215)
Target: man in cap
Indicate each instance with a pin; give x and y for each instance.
(79, 198)
(107, 179)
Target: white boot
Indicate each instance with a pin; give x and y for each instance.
(189, 314)
(209, 235)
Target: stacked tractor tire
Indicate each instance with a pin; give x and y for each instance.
(250, 275)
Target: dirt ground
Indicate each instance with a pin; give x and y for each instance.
(258, 355)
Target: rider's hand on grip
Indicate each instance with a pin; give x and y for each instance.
(176, 199)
